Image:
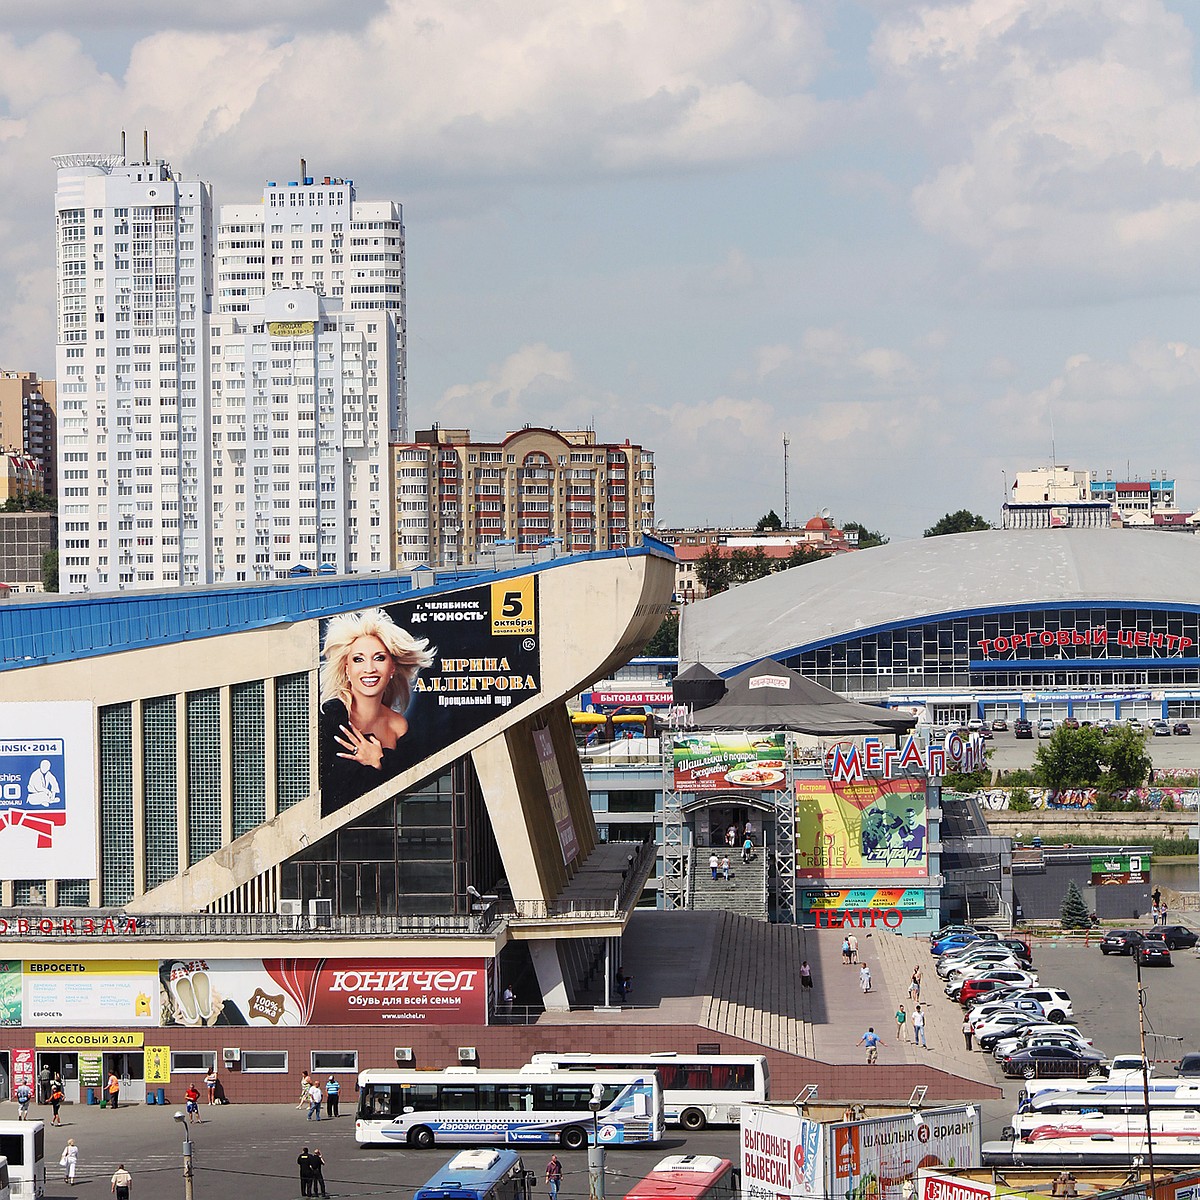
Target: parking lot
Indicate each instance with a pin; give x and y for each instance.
(1010, 753)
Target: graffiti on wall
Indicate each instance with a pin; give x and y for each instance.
(1183, 798)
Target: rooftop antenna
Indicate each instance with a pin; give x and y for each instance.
(146, 146)
(122, 147)
(787, 501)
(303, 172)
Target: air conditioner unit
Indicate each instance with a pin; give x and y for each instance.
(404, 1054)
(231, 1055)
(467, 1054)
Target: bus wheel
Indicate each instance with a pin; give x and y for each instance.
(574, 1137)
(692, 1119)
(420, 1136)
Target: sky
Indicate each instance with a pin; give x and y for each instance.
(932, 244)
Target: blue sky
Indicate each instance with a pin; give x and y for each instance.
(928, 241)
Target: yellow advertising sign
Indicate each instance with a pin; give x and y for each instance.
(157, 1064)
(290, 328)
(124, 1040)
(513, 607)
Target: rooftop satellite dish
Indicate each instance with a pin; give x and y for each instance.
(825, 513)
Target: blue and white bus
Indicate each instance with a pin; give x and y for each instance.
(529, 1104)
(480, 1175)
(698, 1089)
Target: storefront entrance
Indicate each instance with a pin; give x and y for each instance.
(65, 1065)
(126, 1065)
(5, 1076)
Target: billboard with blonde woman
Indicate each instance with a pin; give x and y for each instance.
(400, 683)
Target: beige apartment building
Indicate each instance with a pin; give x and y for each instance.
(28, 422)
(536, 490)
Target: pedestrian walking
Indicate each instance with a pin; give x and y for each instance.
(731, 836)
(44, 1078)
(191, 1100)
(314, 1101)
(69, 1160)
(805, 974)
(747, 849)
(1154, 914)
(918, 1024)
(872, 1041)
(332, 1091)
(846, 951)
(901, 1022)
(553, 1176)
(714, 864)
(304, 1162)
(305, 1084)
(57, 1097)
(317, 1163)
(864, 978)
(914, 985)
(725, 866)
(210, 1082)
(853, 940)
(967, 1030)
(23, 1095)
(122, 1181)
(1162, 913)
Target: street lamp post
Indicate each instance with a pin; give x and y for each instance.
(187, 1157)
(595, 1150)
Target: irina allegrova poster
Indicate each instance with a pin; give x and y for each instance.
(400, 683)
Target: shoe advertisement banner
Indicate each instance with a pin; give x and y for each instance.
(281, 992)
(399, 684)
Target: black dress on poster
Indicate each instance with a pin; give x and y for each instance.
(430, 672)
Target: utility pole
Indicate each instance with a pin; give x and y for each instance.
(188, 1193)
(787, 499)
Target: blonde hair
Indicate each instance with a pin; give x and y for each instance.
(409, 654)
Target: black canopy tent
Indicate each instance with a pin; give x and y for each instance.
(769, 695)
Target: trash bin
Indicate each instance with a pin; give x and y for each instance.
(161, 1095)
(150, 1097)
(91, 1095)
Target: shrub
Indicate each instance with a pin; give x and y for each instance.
(1019, 801)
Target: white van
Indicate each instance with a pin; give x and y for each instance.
(23, 1150)
(5, 1190)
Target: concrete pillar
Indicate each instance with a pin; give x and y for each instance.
(548, 966)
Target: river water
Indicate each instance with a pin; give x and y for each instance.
(1182, 876)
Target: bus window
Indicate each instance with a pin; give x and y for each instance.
(699, 1078)
(673, 1078)
(514, 1098)
(456, 1098)
(421, 1097)
(573, 1096)
(12, 1146)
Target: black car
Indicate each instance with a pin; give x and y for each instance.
(1040, 1062)
(1177, 937)
(1121, 941)
(1189, 1066)
(1019, 950)
(1152, 952)
(1181, 729)
(1022, 728)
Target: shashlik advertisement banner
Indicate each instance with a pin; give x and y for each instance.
(397, 689)
(729, 762)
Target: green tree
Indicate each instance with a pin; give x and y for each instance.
(29, 500)
(962, 521)
(712, 571)
(770, 521)
(1072, 758)
(1019, 801)
(800, 556)
(1075, 913)
(50, 571)
(866, 537)
(1128, 762)
(665, 642)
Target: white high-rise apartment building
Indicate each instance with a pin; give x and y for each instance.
(309, 387)
(134, 276)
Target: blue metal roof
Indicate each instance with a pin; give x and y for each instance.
(48, 629)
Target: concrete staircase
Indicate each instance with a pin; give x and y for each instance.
(744, 893)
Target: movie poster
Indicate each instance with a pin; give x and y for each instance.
(453, 662)
(869, 827)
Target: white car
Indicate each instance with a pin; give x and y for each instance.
(1045, 727)
(1006, 1022)
(1029, 1009)
(979, 966)
(1010, 977)
(1054, 1002)
(974, 725)
(992, 953)
(1056, 1037)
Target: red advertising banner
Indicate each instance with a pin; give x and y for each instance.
(294, 992)
(22, 1071)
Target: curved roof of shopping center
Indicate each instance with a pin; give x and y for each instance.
(910, 582)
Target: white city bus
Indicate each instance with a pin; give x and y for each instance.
(698, 1089)
(528, 1104)
(23, 1144)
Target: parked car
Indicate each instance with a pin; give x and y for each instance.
(1019, 947)
(1039, 1037)
(1120, 941)
(1041, 1062)
(979, 952)
(1045, 727)
(1189, 1066)
(977, 970)
(1136, 725)
(1160, 729)
(1177, 937)
(1181, 729)
(1070, 723)
(1009, 977)
(993, 1038)
(1105, 724)
(1022, 728)
(975, 725)
(1055, 1003)
(1153, 952)
(973, 991)
(999, 725)
(1008, 1002)
(957, 940)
